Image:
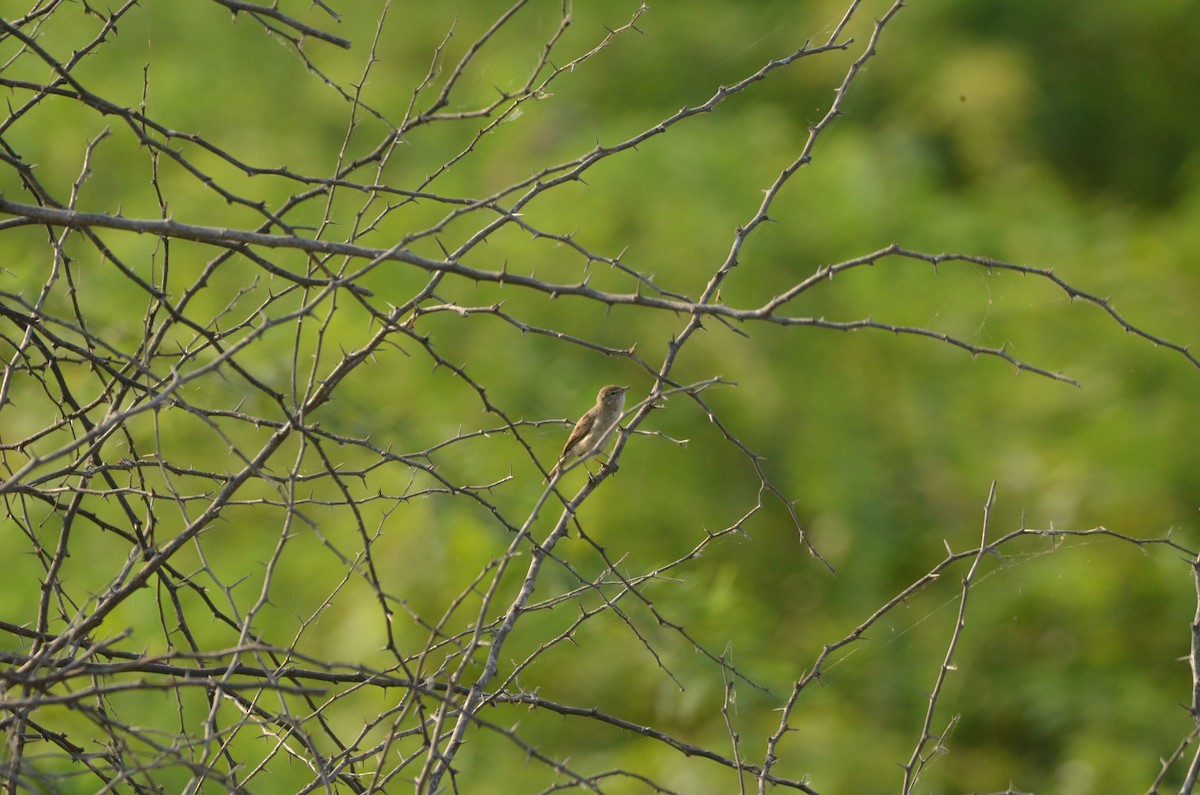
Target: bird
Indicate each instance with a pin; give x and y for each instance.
(591, 434)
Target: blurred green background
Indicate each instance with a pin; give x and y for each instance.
(1058, 136)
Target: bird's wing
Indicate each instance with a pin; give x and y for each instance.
(581, 429)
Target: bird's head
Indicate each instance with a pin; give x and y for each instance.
(612, 394)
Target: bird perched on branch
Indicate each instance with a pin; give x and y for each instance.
(591, 434)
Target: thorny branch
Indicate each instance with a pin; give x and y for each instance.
(185, 429)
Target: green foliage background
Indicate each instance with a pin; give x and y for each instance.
(1058, 135)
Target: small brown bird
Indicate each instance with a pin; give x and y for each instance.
(591, 434)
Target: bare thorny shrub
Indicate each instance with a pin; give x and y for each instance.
(150, 643)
